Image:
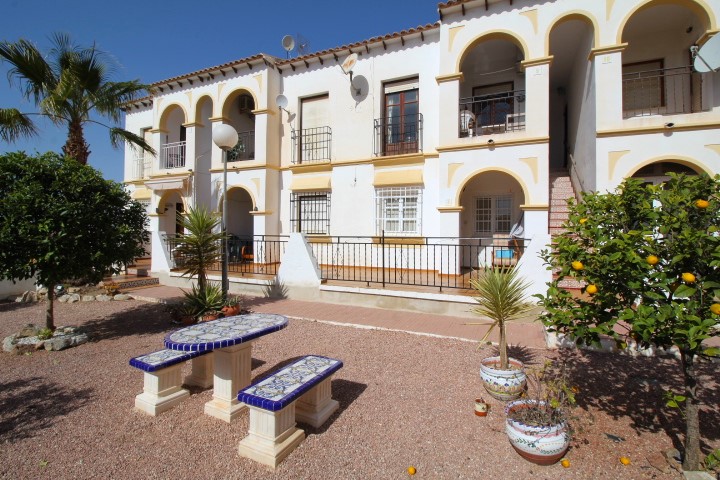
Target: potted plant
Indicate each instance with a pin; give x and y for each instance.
(501, 297)
(204, 302)
(231, 307)
(537, 426)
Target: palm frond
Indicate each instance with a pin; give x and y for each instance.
(111, 97)
(15, 125)
(29, 69)
(118, 136)
(501, 295)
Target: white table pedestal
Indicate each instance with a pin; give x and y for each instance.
(231, 373)
(161, 391)
(202, 371)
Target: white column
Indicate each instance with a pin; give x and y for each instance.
(231, 374)
(537, 97)
(271, 435)
(161, 390)
(202, 371)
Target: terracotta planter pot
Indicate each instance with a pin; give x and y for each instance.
(540, 445)
(504, 385)
(210, 316)
(231, 311)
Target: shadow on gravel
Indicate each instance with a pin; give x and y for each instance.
(345, 392)
(633, 387)
(30, 405)
(144, 319)
(528, 356)
(7, 306)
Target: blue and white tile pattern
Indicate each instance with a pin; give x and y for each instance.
(285, 386)
(161, 359)
(224, 332)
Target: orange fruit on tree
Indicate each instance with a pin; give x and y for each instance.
(688, 277)
(565, 462)
(591, 289)
(652, 260)
(625, 460)
(715, 308)
(577, 265)
(700, 203)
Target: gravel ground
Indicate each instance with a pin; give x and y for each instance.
(404, 400)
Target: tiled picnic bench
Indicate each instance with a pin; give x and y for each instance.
(300, 391)
(221, 357)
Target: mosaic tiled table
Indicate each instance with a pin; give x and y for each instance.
(230, 339)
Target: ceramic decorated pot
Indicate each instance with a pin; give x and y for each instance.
(504, 385)
(541, 445)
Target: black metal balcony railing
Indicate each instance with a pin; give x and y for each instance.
(311, 145)
(661, 92)
(439, 262)
(398, 135)
(173, 155)
(258, 255)
(492, 114)
(244, 149)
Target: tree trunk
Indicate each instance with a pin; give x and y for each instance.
(691, 459)
(76, 146)
(49, 319)
(502, 346)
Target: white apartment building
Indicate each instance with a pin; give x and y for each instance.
(445, 150)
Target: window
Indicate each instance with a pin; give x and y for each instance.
(312, 142)
(643, 85)
(493, 215)
(492, 104)
(402, 108)
(398, 210)
(310, 212)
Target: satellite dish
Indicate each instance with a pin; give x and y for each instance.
(281, 101)
(517, 231)
(707, 57)
(349, 63)
(288, 43)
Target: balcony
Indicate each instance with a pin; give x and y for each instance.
(245, 148)
(311, 145)
(172, 155)
(139, 170)
(492, 114)
(398, 135)
(661, 92)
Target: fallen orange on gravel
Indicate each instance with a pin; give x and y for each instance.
(565, 462)
(625, 460)
(411, 470)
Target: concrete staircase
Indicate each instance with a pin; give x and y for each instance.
(561, 189)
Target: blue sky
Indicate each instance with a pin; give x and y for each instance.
(153, 41)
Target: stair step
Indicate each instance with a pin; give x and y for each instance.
(132, 281)
(555, 215)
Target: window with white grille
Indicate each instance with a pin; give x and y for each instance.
(398, 210)
(310, 212)
(493, 214)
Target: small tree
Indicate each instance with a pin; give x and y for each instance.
(200, 246)
(649, 256)
(60, 219)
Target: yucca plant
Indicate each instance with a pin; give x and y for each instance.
(501, 297)
(200, 247)
(202, 300)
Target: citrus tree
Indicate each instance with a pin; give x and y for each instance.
(61, 220)
(648, 256)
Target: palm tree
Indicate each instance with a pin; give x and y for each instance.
(67, 87)
(200, 246)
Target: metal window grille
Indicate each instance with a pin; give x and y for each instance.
(311, 145)
(398, 135)
(398, 210)
(310, 212)
(493, 214)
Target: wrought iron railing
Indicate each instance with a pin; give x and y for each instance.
(439, 262)
(173, 155)
(661, 92)
(492, 114)
(259, 254)
(311, 145)
(138, 168)
(244, 149)
(398, 135)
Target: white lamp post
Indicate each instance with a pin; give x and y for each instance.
(225, 137)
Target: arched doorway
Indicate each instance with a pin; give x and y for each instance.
(238, 108)
(492, 92)
(491, 222)
(571, 82)
(240, 227)
(657, 73)
(657, 172)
